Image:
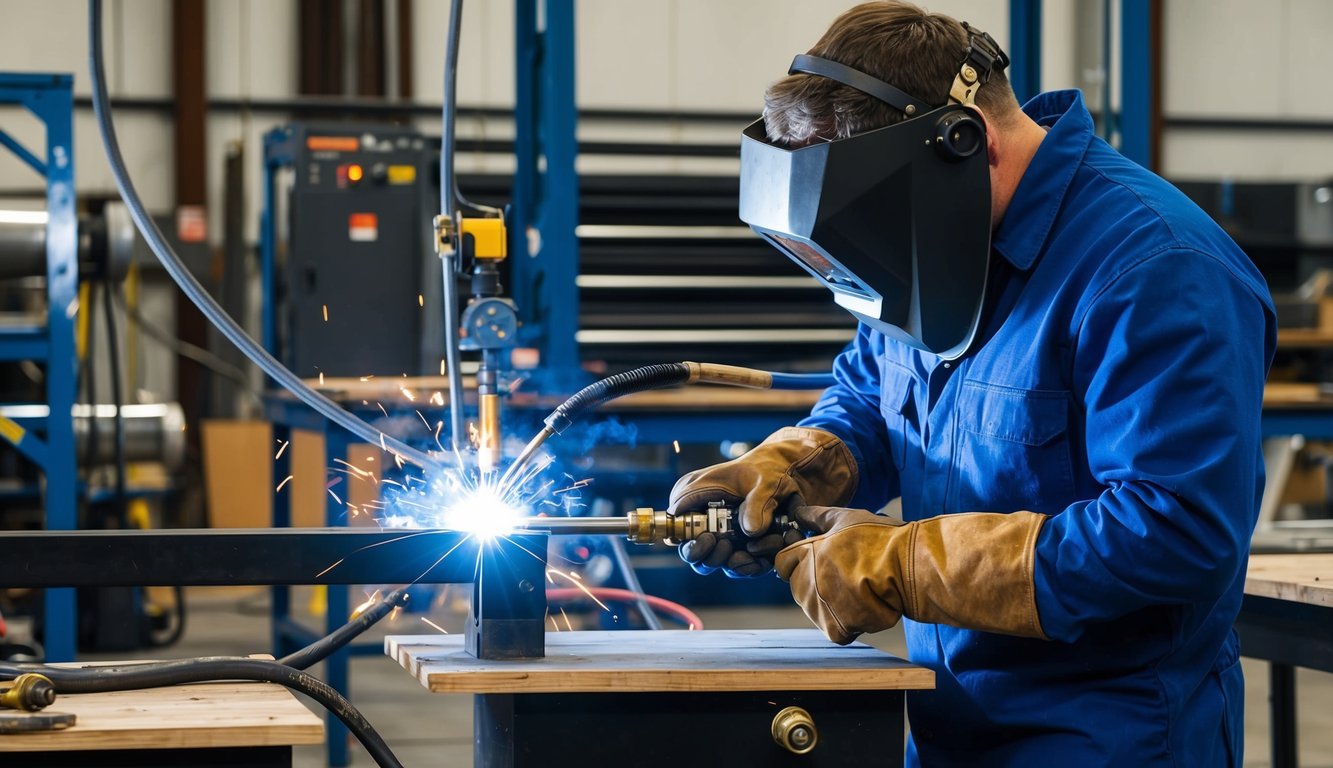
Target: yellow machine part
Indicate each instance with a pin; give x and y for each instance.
(488, 237)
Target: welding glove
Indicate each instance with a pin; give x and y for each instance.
(865, 571)
(794, 462)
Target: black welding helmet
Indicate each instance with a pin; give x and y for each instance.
(895, 221)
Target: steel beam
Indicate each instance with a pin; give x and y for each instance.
(195, 558)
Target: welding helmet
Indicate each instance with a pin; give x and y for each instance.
(895, 221)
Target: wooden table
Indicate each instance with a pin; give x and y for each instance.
(1287, 620)
(662, 698)
(214, 724)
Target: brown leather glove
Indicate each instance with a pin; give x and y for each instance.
(794, 462)
(865, 571)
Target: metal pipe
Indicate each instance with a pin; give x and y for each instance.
(106, 241)
(153, 432)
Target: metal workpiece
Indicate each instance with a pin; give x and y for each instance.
(260, 557)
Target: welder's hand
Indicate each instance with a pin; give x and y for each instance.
(794, 461)
(709, 552)
(863, 571)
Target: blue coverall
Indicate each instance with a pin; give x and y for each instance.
(1116, 385)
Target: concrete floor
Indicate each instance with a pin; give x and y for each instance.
(427, 729)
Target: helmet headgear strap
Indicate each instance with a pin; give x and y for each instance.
(984, 57)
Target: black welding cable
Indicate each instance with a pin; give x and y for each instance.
(187, 350)
(449, 263)
(89, 371)
(117, 400)
(191, 286)
(134, 677)
(324, 647)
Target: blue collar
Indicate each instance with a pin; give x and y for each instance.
(1031, 213)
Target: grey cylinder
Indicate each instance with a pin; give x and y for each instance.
(106, 238)
(153, 432)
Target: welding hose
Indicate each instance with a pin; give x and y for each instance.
(205, 670)
(648, 377)
(158, 674)
(675, 374)
(193, 289)
(677, 611)
(324, 647)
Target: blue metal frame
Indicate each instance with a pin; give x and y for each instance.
(278, 153)
(546, 188)
(1136, 96)
(50, 98)
(1025, 48)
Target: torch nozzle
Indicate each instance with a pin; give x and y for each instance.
(511, 474)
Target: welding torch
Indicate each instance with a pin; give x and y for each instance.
(646, 525)
(651, 377)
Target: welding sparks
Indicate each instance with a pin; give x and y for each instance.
(326, 313)
(334, 495)
(433, 624)
(421, 300)
(321, 378)
(362, 608)
(286, 480)
(281, 450)
(409, 394)
(676, 444)
(576, 582)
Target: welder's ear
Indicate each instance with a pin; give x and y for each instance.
(992, 135)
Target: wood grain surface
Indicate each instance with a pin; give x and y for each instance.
(664, 660)
(179, 717)
(1300, 578)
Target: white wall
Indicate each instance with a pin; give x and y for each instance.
(1223, 58)
(1238, 58)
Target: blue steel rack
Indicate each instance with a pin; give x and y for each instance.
(50, 98)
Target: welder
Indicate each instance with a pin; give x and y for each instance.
(1059, 369)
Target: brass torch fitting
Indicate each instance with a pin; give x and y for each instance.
(488, 438)
(647, 525)
(30, 692)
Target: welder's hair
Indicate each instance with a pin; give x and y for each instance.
(898, 43)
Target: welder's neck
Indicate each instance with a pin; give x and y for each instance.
(1011, 148)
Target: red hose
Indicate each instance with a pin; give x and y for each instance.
(677, 611)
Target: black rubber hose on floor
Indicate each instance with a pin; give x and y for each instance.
(321, 649)
(69, 680)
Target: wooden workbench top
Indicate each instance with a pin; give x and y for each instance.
(179, 717)
(661, 660)
(1300, 578)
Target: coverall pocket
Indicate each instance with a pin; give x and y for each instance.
(1013, 449)
(895, 405)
